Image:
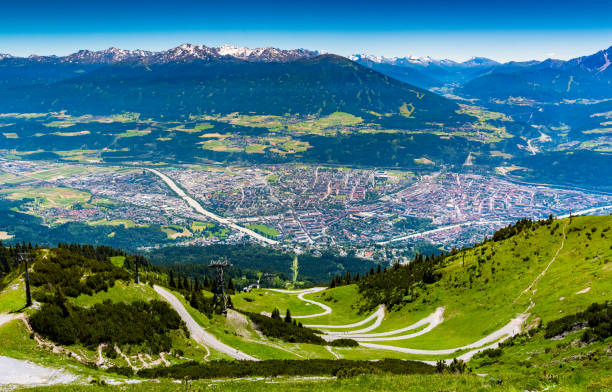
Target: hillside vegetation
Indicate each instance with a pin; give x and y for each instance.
(540, 278)
(323, 84)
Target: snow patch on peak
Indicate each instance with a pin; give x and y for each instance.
(404, 61)
(234, 51)
(606, 63)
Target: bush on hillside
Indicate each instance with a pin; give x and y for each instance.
(343, 343)
(597, 318)
(109, 323)
(275, 327)
(276, 367)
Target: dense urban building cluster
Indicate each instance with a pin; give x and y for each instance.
(298, 205)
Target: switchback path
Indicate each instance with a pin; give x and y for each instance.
(379, 314)
(507, 331)
(432, 321)
(198, 208)
(197, 332)
(301, 294)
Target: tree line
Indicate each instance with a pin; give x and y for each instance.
(399, 284)
(270, 368)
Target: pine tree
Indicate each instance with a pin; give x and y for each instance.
(171, 282)
(288, 316)
(276, 314)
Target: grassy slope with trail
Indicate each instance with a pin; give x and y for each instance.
(478, 296)
(16, 341)
(478, 290)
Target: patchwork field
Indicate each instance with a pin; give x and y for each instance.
(48, 197)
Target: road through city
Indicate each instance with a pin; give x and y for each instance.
(198, 208)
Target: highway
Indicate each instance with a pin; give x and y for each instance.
(500, 223)
(444, 228)
(198, 208)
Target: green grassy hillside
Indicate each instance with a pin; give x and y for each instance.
(435, 308)
(485, 290)
(78, 280)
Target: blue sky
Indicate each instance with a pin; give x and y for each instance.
(502, 30)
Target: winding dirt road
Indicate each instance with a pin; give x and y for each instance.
(432, 321)
(197, 332)
(505, 332)
(379, 314)
(301, 294)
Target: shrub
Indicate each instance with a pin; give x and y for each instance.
(121, 370)
(344, 343)
(598, 318)
(275, 327)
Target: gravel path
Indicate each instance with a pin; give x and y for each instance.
(301, 294)
(378, 315)
(507, 331)
(432, 321)
(197, 332)
(16, 372)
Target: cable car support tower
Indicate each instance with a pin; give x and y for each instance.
(220, 299)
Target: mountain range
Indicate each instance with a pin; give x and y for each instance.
(543, 108)
(184, 52)
(588, 77)
(193, 79)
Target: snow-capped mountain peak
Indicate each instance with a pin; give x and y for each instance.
(106, 56)
(373, 58)
(183, 53)
(597, 62)
(234, 51)
(408, 60)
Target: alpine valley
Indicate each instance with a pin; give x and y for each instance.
(226, 218)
